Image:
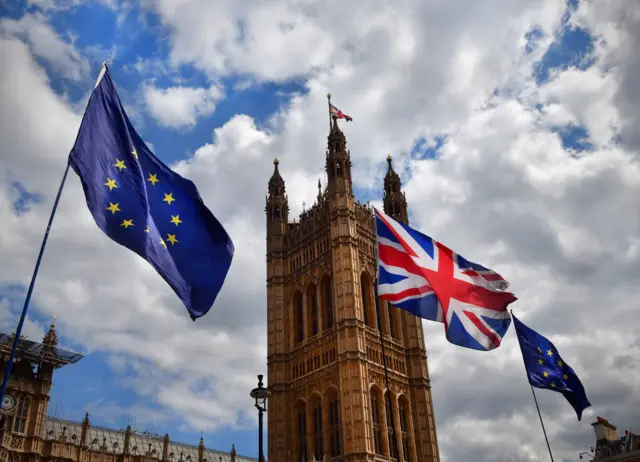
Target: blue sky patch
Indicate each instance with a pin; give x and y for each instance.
(572, 47)
(574, 137)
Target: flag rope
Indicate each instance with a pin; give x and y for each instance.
(384, 356)
(23, 315)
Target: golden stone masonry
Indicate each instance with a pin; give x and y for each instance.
(328, 395)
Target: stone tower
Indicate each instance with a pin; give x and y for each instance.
(325, 368)
(24, 408)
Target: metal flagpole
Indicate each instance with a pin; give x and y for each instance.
(542, 423)
(329, 107)
(18, 332)
(384, 356)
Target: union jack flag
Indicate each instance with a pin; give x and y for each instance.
(431, 281)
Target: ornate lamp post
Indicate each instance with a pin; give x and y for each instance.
(260, 394)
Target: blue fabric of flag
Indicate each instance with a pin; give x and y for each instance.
(546, 368)
(143, 205)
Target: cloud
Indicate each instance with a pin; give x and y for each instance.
(501, 190)
(46, 44)
(180, 107)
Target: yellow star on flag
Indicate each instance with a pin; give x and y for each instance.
(147, 230)
(176, 220)
(539, 350)
(565, 376)
(111, 184)
(163, 243)
(153, 178)
(549, 352)
(134, 153)
(172, 238)
(560, 363)
(168, 198)
(540, 361)
(120, 164)
(553, 384)
(127, 223)
(546, 374)
(113, 208)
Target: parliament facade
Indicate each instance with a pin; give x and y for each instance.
(27, 434)
(329, 399)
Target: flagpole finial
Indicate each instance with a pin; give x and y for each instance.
(328, 95)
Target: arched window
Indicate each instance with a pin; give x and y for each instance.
(18, 418)
(394, 324)
(318, 440)
(404, 429)
(298, 318)
(375, 419)
(389, 414)
(327, 302)
(367, 302)
(276, 213)
(312, 306)
(302, 432)
(335, 446)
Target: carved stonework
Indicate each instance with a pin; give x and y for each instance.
(17, 442)
(336, 237)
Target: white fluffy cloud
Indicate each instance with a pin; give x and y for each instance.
(179, 107)
(503, 192)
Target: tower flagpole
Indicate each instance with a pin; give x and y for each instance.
(379, 318)
(329, 108)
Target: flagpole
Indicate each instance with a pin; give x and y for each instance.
(541, 422)
(384, 356)
(329, 107)
(535, 400)
(23, 315)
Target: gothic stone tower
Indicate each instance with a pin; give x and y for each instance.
(325, 366)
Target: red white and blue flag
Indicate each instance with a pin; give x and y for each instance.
(426, 278)
(335, 112)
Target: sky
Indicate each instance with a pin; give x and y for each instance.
(513, 124)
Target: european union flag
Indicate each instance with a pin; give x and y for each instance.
(143, 205)
(546, 369)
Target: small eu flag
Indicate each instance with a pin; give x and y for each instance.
(143, 205)
(546, 369)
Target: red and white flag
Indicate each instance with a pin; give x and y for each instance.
(335, 112)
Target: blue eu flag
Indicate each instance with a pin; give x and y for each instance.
(143, 205)
(546, 369)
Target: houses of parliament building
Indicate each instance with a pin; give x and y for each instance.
(329, 397)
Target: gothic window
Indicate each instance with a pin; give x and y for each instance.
(396, 208)
(20, 415)
(328, 306)
(393, 325)
(302, 433)
(276, 213)
(365, 288)
(375, 418)
(389, 415)
(334, 425)
(312, 306)
(318, 443)
(298, 318)
(338, 168)
(404, 431)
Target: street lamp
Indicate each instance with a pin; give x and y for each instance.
(260, 394)
(586, 454)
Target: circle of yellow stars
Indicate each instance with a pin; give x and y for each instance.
(545, 373)
(112, 184)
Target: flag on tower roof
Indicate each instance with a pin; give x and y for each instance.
(337, 113)
(431, 281)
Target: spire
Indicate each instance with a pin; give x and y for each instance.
(395, 202)
(50, 338)
(276, 183)
(277, 208)
(338, 161)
